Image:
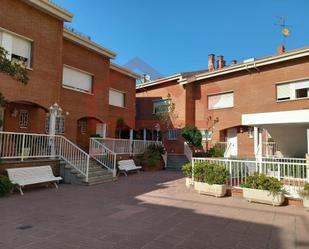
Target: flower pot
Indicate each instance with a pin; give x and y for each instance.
(306, 202)
(189, 182)
(207, 189)
(263, 196)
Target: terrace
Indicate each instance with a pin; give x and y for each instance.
(152, 210)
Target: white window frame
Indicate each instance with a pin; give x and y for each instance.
(83, 126)
(293, 85)
(70, 87)
(23, 119)
(161, 101)
(117, 91)
(9, 47)
(220, 94)
(172, 134)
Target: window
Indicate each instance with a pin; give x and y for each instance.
(116, 98)
(219, 101)
(161, 106)
(60, 125)
(77, 79)
(23, 119)
(206, 134)
(293, 90)
(19, 49)
(172, 134)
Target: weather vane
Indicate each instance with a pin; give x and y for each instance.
(285, 29)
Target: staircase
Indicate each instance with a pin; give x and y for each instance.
(96, 175)
(175, 161)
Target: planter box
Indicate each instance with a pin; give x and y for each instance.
(262, 196)
(189, 182)
(306, 202)
(207, 189)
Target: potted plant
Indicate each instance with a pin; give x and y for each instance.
(263, 189)
(211, 179)
(6, 186)
(305, 195)
(187, 171)
(152, 160)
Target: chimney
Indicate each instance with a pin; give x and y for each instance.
(211, 62)
(220, 62)
(281, 49)
(233, 62)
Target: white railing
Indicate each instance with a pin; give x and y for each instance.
(103, 155)
(164, 157)
(29, 146)
(126, 146)
(291, 174)
(187, 151)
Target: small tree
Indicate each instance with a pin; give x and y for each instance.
(192, 135)
(15, 68)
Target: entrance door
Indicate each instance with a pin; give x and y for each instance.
(232, 141)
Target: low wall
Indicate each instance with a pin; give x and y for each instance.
(55, 164)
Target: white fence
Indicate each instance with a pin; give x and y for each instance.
(26, 146)
(290, 173)
(126, 146)
(103, 155)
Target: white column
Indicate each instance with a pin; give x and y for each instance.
(307, 156)
(144, 134)
(104, 131)
(256, 140)
(131, 141)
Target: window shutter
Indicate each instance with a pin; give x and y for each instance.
(219, 101)
(7, 43)
(284, 92)
(116, 98)
(301, 85)
(21, 47)
(76, 79)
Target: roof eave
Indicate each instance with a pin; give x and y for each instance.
(69, 35)
(177, 77)
(254, 64)
(51, 9)
(125, 71)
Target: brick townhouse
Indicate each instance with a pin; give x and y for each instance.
(64, 67)
(251, 107)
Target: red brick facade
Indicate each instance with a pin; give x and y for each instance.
(254, 92)
(50, 51)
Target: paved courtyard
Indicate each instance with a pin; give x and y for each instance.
(148, 211)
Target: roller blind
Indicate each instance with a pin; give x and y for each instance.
(284, 91)
(21, 47)
(76, 79)
(219, 101)
(116, 98)
(7, 43)
(302, 85)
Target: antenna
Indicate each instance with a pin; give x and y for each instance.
(285, 29)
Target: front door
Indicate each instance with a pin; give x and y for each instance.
(232, 141)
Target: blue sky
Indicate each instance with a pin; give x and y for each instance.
(176, 36)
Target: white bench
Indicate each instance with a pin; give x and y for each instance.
(32, 175)
(125, 166)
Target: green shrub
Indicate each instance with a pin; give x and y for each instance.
(5, 186)
(192, 135)
(305, 192)
(199, 172)
(216, 174)
(187, 169)
(263, 182)
(96, 135)
(200, 154)
(153, 155)
(215, 152)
